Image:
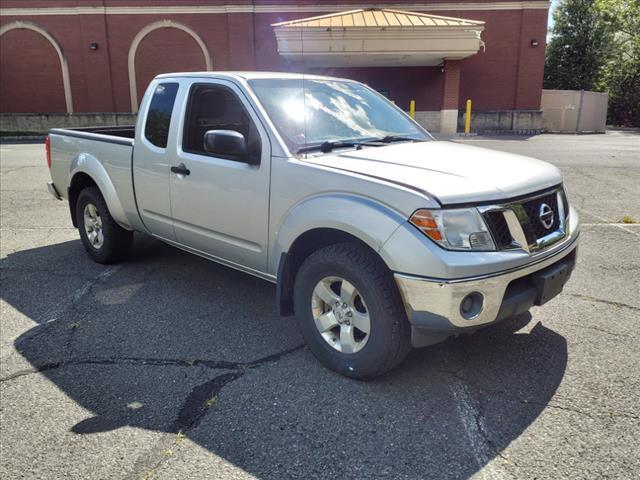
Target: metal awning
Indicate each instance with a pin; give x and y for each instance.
(378, 37)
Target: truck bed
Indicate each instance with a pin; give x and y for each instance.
(104, 153)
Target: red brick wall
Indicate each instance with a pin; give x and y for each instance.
(164, 50)
(489, 78)
(241, 41)
(507, 75)
(531, 59)
(450, 94)
(28, 55)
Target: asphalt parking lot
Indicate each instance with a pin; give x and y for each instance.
(169, 366)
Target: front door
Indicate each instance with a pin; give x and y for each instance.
(220, 203)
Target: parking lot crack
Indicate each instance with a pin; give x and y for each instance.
(484, 433)
(528, 402)
(195, 406)
(17, 169)
(200, 399)
(30, 371)
(211, 364)
(606, 302)
(481, 445)
(49, 271)
(611, 414)
(598, 329)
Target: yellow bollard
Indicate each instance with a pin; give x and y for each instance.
(467, 118)
(412, 109)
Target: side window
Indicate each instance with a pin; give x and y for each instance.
(214, 107)
(159, 117)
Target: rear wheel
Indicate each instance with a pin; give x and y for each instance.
(350, 311)
(103, 239)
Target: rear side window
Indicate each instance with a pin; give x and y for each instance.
(159, 116)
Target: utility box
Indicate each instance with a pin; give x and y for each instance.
(574, 111)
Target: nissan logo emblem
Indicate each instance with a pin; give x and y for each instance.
(546, 216)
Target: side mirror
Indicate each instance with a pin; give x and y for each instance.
(225, 142)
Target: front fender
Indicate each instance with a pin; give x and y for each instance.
(90, 165)
(368, 220)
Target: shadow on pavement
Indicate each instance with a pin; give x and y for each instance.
(177, 344)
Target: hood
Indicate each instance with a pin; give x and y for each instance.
(451, 172)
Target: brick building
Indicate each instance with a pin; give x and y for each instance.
(73, 56)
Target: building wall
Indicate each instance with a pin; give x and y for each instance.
(26, 54)
(165, 50)
(508, 75)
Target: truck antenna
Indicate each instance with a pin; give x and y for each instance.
(304, 90)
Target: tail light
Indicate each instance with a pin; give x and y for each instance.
(47, 149)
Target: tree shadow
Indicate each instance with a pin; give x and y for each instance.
(173, 343)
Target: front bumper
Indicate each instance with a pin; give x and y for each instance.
(434, 305)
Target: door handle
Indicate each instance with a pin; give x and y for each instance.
(181, 169)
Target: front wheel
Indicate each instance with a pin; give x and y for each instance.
(350, 312)
(103, 239)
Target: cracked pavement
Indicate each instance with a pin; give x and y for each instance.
(169, 366)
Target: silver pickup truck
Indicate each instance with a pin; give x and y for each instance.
(378, 237)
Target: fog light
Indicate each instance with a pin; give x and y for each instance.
(471, 305)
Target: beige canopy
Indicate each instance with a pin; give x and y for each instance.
(378, 37)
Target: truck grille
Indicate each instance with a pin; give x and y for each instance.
(532, 207)
(531, 224)
(499, 229)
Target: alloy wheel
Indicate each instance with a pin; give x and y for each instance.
(340, 314)
(93, 226)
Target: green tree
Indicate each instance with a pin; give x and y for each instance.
(621, 76)
(624, 17)
(580, 46)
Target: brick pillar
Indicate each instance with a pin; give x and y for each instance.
(450, 97)
(530, 60)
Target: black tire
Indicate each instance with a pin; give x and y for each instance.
(117, 242)
(389, 339)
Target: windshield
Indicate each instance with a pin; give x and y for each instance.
(335, 111)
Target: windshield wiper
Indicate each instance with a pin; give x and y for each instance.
(328, 146)
(397, 138)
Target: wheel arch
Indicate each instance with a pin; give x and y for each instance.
(79, 182)
(87, 171)
(304, 245)
(322, 220)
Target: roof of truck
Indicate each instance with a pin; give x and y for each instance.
(247, 75)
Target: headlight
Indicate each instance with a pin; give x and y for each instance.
(455, 229)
